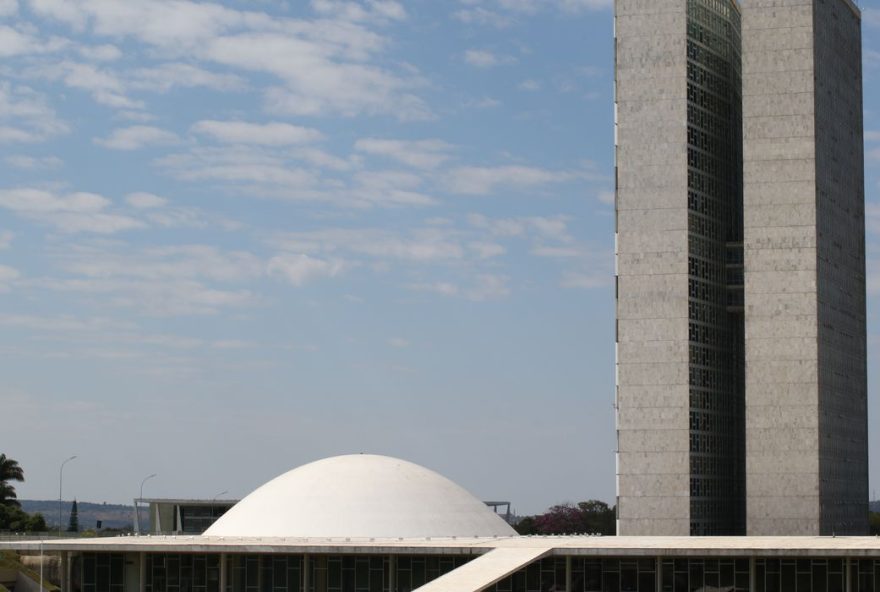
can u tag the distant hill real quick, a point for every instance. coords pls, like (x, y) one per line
(110, 515)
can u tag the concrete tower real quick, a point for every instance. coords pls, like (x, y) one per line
(740, 286)
(679, 265)
(806, 385)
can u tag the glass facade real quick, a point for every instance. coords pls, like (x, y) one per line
(194, 572)
(715, 285)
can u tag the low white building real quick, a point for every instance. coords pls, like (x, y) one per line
(365, 523)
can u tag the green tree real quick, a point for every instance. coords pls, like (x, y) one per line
(73, 523)
(874, 523)
(526, 525)
(9, 471)
(16, 520)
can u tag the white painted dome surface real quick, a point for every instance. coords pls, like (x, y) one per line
(360, 496)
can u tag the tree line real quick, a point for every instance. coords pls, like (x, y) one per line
(589, 517)
(11, 515)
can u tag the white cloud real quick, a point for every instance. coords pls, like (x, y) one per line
(100, 53)
(482, 16)
(164, 77)
(488, 287)
(487, 180)
(160, 281)
(481, 288)
(299, 268)
(480, 58)
(7, 276)
(606, 197)
(8, 7)
(104, 86)
(443, 288)
(486, 250)
(872, 136)
(25, 115)
(268, 134)
(529, 85)
(178, 262)
(373, 10)
(6, 239)
(237, 167)
(543, 227)
(72, 213)
(256, 171)
(326, 65)
(422, 154)
(586, 280)
(584, 5)
(137, 136)
(398, 342)
(16, 42)
(145, 201)
(22, 161)
(421, 245)
(483, 103)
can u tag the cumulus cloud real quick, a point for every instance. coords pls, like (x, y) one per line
(481, 58)
(606, 197)
(161, 281)
(7, 276)
(145, 201)
(267, 134)
(380, 11)
(501, 13)
(481, 288)
(100, 53)
(32, 163)
(299, 268)
(105, 87)
(421, 154)
(259, 171)
(8, 7)
(26, 116)
(586, 280)
(137, 136)
(421, 245)
(164, 77)
(482, 16)
(487, 180)
(71, 213)
(326, 65)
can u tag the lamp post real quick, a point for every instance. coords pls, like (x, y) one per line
(224, 492)
(140, 499)
(60, 490)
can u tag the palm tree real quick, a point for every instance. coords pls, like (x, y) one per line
(9, 471)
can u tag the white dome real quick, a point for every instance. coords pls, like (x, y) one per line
(360, 496)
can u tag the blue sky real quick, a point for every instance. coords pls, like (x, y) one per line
(236, 237)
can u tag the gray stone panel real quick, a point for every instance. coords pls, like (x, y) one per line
(804, 268)
(652, 244)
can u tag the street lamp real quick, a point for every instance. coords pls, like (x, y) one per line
(60, 490)
(213, 509)
(140, 499)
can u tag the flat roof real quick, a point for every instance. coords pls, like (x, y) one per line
(186, 502)
(596, 546)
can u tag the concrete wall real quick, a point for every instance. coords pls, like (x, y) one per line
(652, 268)
(804, 264)
(840, 219)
